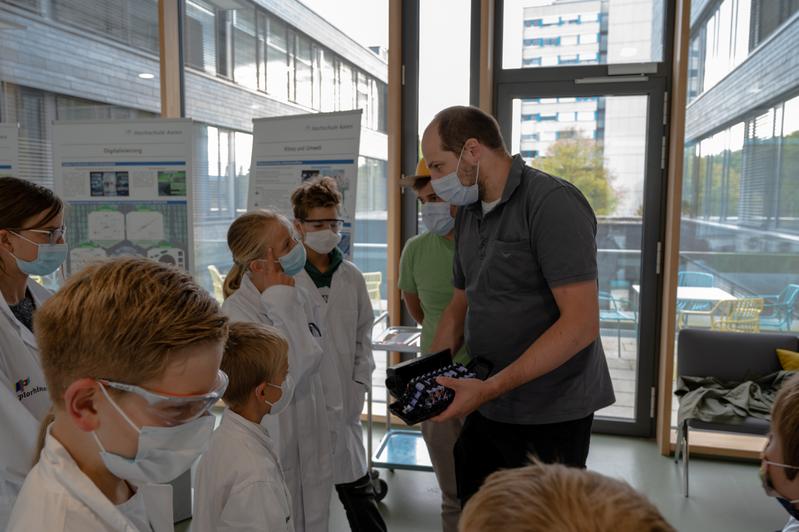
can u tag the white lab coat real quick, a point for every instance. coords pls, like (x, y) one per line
(348, 319)
(239, 486)
(58, 496)
(302, 433)
(24, 400)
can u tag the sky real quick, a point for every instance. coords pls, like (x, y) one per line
(444, 29)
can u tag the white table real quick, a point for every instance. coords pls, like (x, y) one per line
(698, 293)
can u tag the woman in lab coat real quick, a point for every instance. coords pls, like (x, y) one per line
(260, 289)
(31, 243)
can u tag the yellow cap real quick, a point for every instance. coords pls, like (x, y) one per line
(421, 171)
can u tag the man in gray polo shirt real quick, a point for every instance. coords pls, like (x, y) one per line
(525, 299)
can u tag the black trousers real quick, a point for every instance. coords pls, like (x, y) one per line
(486, 446)
(360, 504)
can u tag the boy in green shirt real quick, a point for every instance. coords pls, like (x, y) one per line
(426, 284)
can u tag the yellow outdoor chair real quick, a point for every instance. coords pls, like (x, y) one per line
(739, 315)
(373, 282)
(218, 281)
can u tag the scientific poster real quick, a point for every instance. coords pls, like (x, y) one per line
(288, 150)
(8, 149)
(128, 186)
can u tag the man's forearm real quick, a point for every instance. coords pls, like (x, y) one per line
(449, 334)
(563, 340)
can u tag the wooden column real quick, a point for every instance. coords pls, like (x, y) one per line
(171, 58)
(487, 56)
(394, 237)
(671, 249)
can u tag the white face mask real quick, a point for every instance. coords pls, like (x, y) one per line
(437, 218)
(287, 392)
(164, 452)
(322, 241)
(450, 189)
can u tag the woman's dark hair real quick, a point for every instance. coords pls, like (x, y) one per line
(21, 200)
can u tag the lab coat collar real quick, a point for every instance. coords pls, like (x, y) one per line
(39, 294)
(58, 465)
(238, 423)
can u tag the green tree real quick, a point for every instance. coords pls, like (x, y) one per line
(581, 162)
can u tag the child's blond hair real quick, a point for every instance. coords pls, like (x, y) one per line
(556, 498)
(785, 422)
(120, 320)
(248, 238)
(253, 354)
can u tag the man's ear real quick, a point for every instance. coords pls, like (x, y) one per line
(80, 403)
(472, 151)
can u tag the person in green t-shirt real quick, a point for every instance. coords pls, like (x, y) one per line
(426, 285)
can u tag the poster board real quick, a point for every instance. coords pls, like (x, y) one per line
(288, 150)
(9, 149)
(128, 186)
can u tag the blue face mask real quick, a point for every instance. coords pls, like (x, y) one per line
(437, 218)
(449, 188)
(293, 262)
(49, 258)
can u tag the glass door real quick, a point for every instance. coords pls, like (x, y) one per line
(581, 95)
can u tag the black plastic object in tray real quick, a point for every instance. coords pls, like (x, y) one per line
(413, 383)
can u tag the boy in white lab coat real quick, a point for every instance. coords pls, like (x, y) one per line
(260, 288)
(338, 289)
(131, 375)
(239, 484)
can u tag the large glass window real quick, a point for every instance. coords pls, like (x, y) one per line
(277, 59)
(789, 170)
(739, 244)
(346, 87)
(329, 82)
(134, 22)
(200, 36)
(303, 68)
(771, 14)
(245, 68)
(554, 33)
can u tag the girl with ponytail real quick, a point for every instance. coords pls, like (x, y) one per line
(260, 289)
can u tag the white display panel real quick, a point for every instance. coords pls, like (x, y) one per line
(128, 185)
(288, 150)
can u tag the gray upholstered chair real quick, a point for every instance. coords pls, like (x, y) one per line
(729, 356)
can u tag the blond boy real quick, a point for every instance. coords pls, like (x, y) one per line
(239, 484)
(556, 498)
(130, 350)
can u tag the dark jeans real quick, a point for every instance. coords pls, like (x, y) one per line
(359, 502)
(485, 446)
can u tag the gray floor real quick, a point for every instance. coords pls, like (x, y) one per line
(725, 496)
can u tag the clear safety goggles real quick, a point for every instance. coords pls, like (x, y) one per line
(334, 224)
(175, 409)
(53, 235)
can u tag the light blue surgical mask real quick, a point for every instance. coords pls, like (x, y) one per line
(437, 218)
(286, 394)
(48, 259)
(293, 262)
(449, 188)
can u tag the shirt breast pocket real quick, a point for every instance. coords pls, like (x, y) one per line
(513, 267)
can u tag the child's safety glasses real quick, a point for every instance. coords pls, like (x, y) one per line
(176, 409)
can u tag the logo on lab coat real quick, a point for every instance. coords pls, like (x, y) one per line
(315, 332)
(22, 393)
(21, 384)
